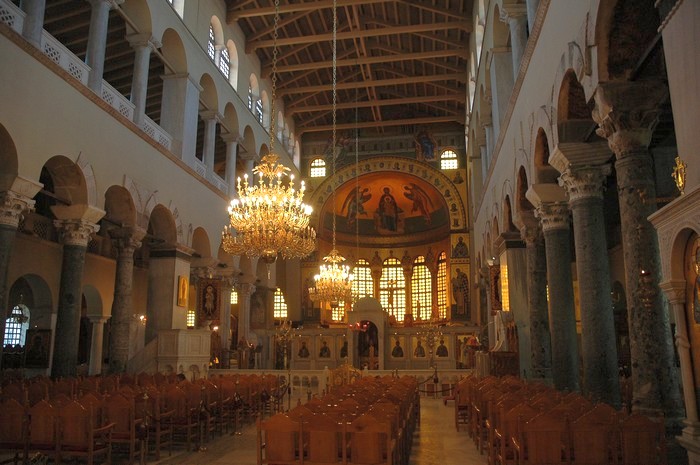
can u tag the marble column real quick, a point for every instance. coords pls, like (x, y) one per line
(501, 70)
(97, 41)
(516, 17)
(211, 119)
(676, 293)
(541, 353)
(553, 212)
(75, 223)
(178, 114)
(98, 329)
(245, 290)
(627, 113)
(583, 174)
(142, 45)
(125, 241)
(531, 12)
(232, 141)
(13, 203)
(33, 21)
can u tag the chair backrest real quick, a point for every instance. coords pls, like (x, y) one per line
(13, 427)
(76, 426)
(121, 412)
(369, 439)
(43, 420)
(643, 440)
(282, 437)
(14, 391)
(325, 440)
(592, 436)
(92, 402)
(545, 438)
(38, 390)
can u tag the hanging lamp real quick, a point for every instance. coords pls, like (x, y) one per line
(333, 283)
(269, 217)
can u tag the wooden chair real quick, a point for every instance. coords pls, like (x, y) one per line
(122, 413)
(543, 440)
(507, 431)
(370, 442)
(462, 403)
(279, 441)
(643, 441)
(593, 439)
(158, 420)
(43, 429)
(80, 437)
(184, 424)
(38, 390)
(14, 391)
(326, 440)
(14, 432)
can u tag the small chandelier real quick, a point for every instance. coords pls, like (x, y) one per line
(270, 218)
(333, 283)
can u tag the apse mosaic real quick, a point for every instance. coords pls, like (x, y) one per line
(378, 204)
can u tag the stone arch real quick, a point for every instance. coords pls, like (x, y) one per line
(179, 7)
(162, 227)
(249, 143)
(65, 180)
(544, 172)
(508, 224)
(523, 207)
(234, 64)
(624, 28)
(201, 243)
(8, 159)
(139, 15)
(253, 90)
(208, 96)
(280, 125)
(119, 206)
(500, 31)
(173, 51)
(37, 295)
(93, 300)
(215, 24)
(266, 109)
(230, 121)
(574, 120)
(672, 245)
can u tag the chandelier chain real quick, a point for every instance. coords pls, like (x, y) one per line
(335, 100)
(275, 35)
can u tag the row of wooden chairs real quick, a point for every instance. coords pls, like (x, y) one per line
(519, 423)
(369, 422)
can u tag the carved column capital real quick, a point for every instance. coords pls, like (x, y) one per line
(553, 215)
(675, 290)
(76, 231)
(627, 113)
(246, 289)
(584, 183)
(12, 206)
(530, 231)
(127, 239)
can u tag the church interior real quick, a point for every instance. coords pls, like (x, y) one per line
(485, 212)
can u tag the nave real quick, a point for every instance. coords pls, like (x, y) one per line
(435, 442)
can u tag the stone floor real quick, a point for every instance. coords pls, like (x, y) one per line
(436, 442)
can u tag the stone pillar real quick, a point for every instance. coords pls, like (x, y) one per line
(178, 113)
(142, 45)
(225, 319)
(33, 21)
(211, 119)
(583, 175)
(97, 41)
(553, 211)
(484, 163)
(501, 69)
(531, 12)
(125, 241)
(627, 113)
(232, 141)
(245, 290)
(13, 203)
(76, 223)
(98, 327)
(516, 17)
(541, 352)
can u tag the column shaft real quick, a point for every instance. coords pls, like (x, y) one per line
(34, 21)
(230, 174)
(518, 40)
(98, 326)
(97, 43)
(541, 354)
(139, 82)
(597, 321)
(210, 122)
(245, 291)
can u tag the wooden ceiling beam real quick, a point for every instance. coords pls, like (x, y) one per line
(434, 9)
(376, 83)
(374, 32)
(373, 124)
(379, 102)
(234, 14)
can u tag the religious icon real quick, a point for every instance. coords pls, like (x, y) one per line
(182, 288)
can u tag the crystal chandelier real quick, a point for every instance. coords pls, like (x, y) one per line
(269, 218)
(333, 283)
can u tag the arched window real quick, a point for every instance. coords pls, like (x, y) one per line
(448, 160)
(225, 63)
(250, 97)
(442, 285)
(318, 168)
(259, 110)
(362, 284)
(16, 326)
(421, 289)
(234, 297)
(392, 288)
(279, 305)
(211, 44)
(338, 312)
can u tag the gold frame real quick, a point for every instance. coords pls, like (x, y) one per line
(183, 290)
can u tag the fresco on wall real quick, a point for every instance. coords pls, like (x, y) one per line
(378, 204)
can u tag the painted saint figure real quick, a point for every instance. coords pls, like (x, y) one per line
(460, 292)
(354, 204)
(388, 211)
(421, 200)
